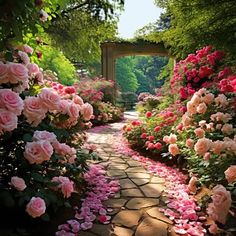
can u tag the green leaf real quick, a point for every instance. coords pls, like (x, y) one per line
(27, 137)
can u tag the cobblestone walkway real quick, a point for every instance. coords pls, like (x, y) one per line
(136, 206)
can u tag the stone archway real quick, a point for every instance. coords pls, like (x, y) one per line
(112, 50)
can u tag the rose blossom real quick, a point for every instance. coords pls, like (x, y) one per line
(36, 207)
(65, 184)
(196, 99)
(24, 57)
(202, 108)
(217, 146)
(208, 98)
(87, 111)
(78, 100)
(4, 73)
(43, 15)
(11, 101)
(172, 138)
(17, 72)
(199, 132)
(38, 152)
(213, 229)
(33, 110)
(50, 99)
(191, 108)
(18, 183)
(202, 146)
(8, 120)
(33, 68)
(202, 123)
(44, 135)
(73, 110)
(27, 49)
(166, 139)
(207, 156)
(230, 174)
(219, 207)
(186, 120)
(221, 100)
(227, 128)
(189, 143)
(173, 149)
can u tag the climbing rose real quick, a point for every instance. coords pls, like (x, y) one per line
(38, 152)
(36, 207)
(230, 174)
(219, 207)
(18, 183)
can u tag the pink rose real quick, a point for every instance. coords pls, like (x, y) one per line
(8, 120)
(38, 152)
(24, 57)
(191, 108)
(230, 174)
(4, 73)
(192, 184)
(189, 143)
(17, 73)
(33, 68)
(172, 138)
(227, 128)
(50, 99)
(196, 99)
(44, 135)
(207, 156)
(219, 207)
(34, 111)
(213, 229)
(39, 77)
(202, 108)
(43, 15)
(78, 100)
(202, 123)
(221, 100)
(18, 183)
(217, 146)
(11, 101)
(166, 139)
(73, 110)
(202, 146)
(199, 132)
(65, 184)
(22, 86)
(87, 111)
(208, 98)
(36, 207)
(27, 49)
(186, 120)
(173, 149)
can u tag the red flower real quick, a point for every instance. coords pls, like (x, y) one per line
(158, 145)
(157, 128)
(205, 71)
(151, 138)
(143, 135)
(148, 114)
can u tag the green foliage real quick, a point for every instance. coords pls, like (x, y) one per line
(54, 60)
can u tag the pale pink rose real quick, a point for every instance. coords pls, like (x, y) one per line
(199, 132)
(33, 69)
(78, 100)
(38, 152)
(39, 77)
(202, 146)
(18, 183)
(28, 49)
(207, 156)
(24, 57)
(50, 99)
(218, 147)
(230, 174)
(36, 207)
(218, 126)
(210, 126)
(63, 106)
(202, 123)
(73, 110)
(219, 116)
(17, 73)
(189, 143)
(173, 149)
(44, 135)
(4, 73)
(87, 111)
(219, 207)
(191, 108)
(43, 15)
(202, 108)
(166, 139)
(72, 159)
(186, 120)
(34, 111)
(201, 92)
(227, 128)
(213, 229)
(11, 101)
(8, 120)
(22, 86)
(172, 138)
(208, 98)
(192, 185)
(65, 184)
(221, 100)
(196, 99)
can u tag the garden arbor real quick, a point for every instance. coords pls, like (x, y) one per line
(113, 50)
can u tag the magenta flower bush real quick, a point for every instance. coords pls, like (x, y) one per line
(41, 165)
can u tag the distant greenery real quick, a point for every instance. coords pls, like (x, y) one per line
(139, 73)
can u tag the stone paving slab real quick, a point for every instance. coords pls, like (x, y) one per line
(136, 205)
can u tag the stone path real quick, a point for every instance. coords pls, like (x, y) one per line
(136, 206)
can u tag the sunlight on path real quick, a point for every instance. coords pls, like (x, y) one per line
(136, 206)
